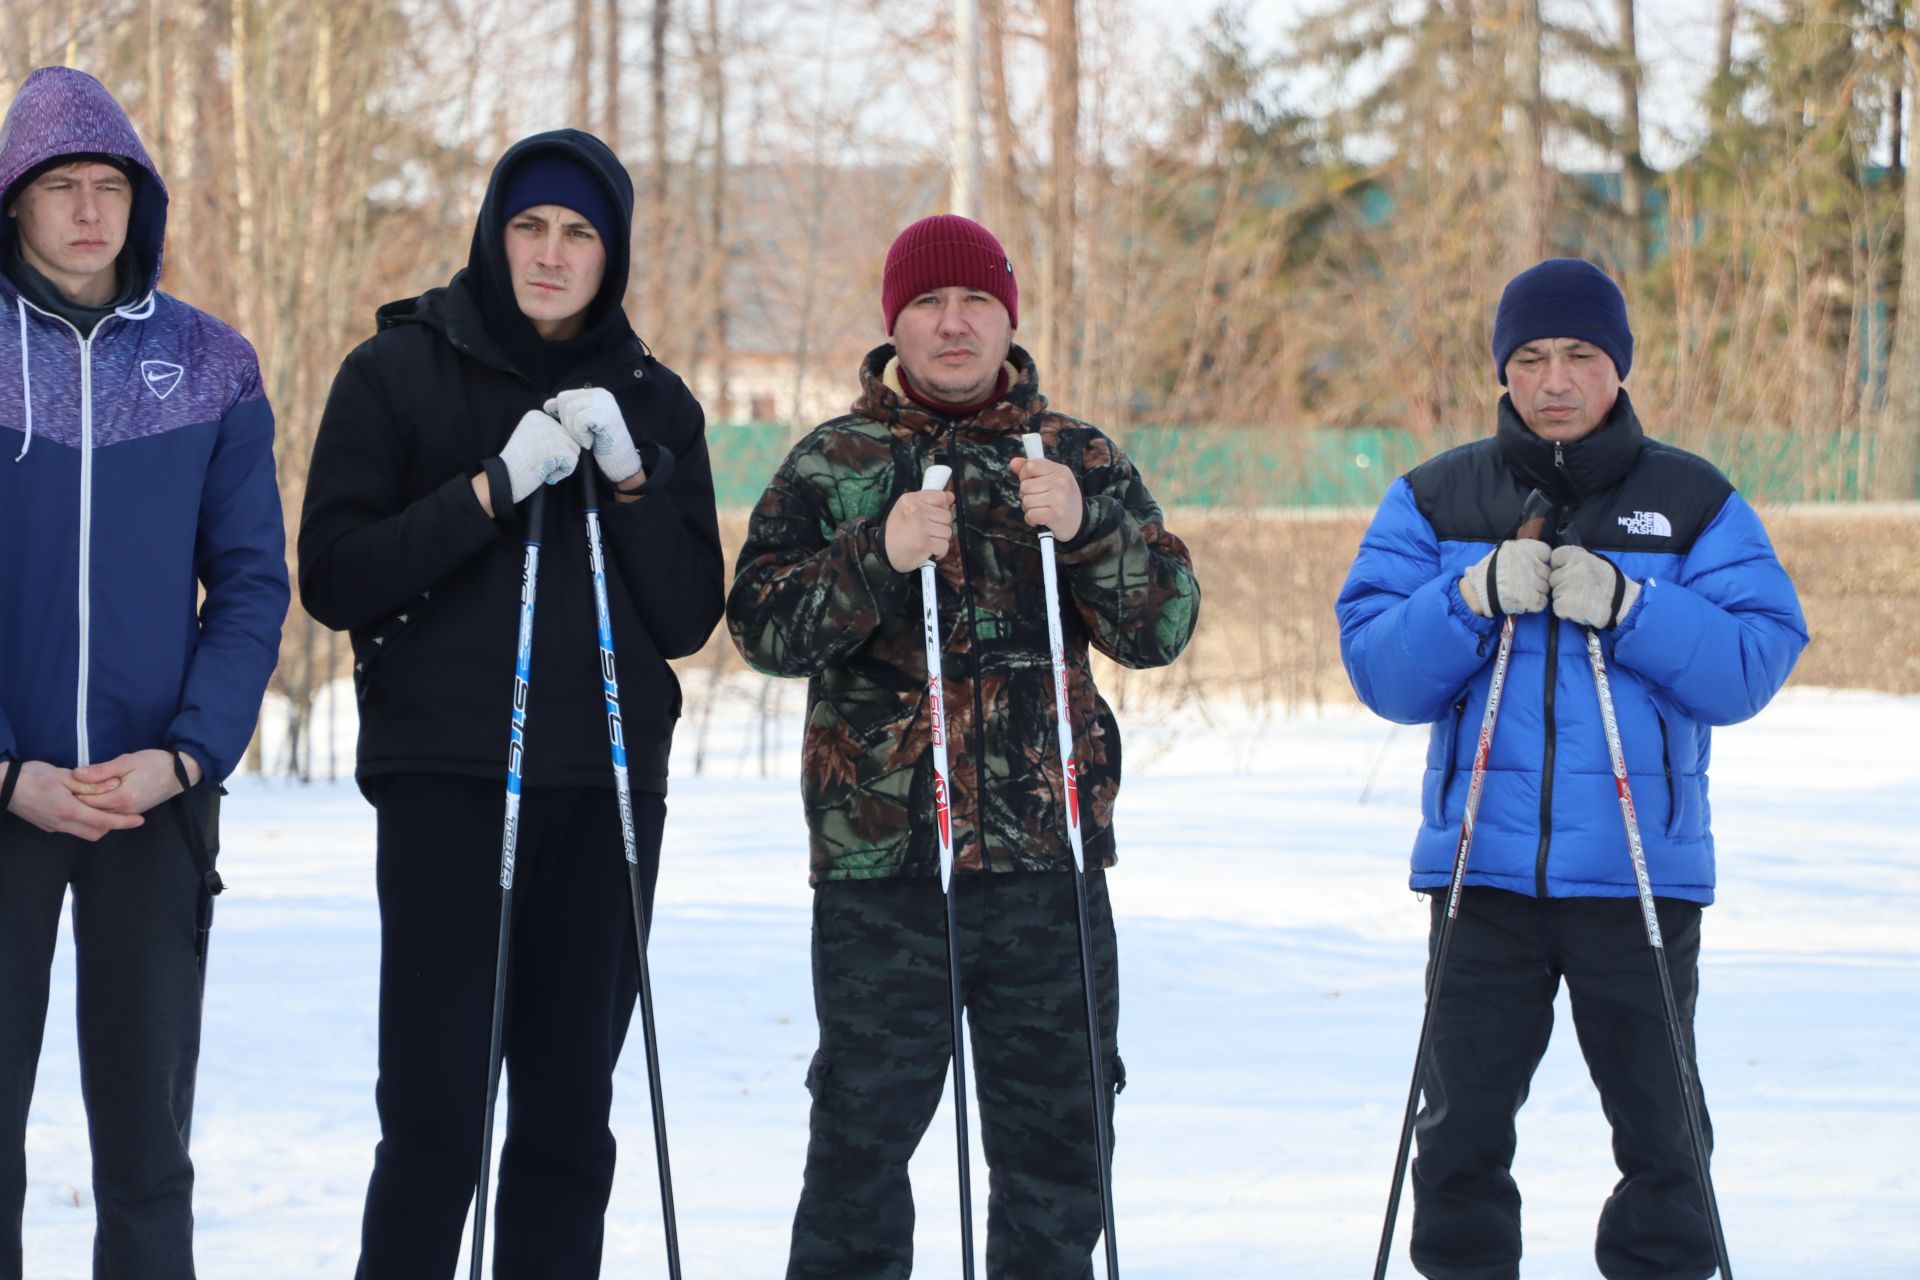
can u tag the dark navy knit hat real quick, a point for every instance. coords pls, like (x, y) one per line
(552, 177)
(1562, 298)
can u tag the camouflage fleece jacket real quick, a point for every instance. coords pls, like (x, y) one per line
(813, 595)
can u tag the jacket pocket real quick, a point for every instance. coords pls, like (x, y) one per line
(372, 647)
(1683, 788)
(1442, 770)
(1666, 766)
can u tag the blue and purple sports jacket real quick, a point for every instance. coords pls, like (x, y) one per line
(136, 469)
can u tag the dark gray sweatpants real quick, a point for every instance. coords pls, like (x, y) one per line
(135, 899)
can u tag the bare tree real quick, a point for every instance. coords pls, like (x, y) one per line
(582, 117)
(1527, 172)
(964, 197)
(1063, 97)
(1900, 422)
(654, 305)
(610, 72)
(711, 287)
(1633, 188)
(1003, 186)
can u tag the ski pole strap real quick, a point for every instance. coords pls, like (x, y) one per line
(1493, 582)
(12, 781)
(202, 854)
(1619, 594)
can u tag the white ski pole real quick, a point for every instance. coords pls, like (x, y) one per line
(1063, 718)
(936, 478)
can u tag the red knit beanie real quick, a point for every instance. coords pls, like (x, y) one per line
(946, 251)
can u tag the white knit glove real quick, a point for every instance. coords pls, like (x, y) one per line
(1519, 569)
(540, 451)
(593, 417)
(1589, 589)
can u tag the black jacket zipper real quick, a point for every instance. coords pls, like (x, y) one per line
(1546, 701)
(1546, 764)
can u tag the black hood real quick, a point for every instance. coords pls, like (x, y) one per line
(480, 296)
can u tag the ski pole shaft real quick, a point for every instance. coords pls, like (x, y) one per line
(1696, 1130)
(623, 792)
(1063, 721)
(936, 478)
(1532, 525)
(1483, 751)
(509, 841)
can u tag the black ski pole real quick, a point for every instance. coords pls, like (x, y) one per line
(936, 478)
(1696, 1131)
(516, 751)
(610, 685)
(1533, 521)
(1063, 719)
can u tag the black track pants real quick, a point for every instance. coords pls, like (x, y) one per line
(571, 986)
(1490, 1030)
(135, 898)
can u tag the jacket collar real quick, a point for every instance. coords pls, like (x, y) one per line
(1568, 472)
(452, 312)
(881, 401)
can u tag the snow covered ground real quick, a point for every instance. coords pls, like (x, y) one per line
(1271, 964)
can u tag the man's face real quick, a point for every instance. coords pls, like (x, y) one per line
(1562, 388)
(72, 221)
(952, 342)
(557, 261)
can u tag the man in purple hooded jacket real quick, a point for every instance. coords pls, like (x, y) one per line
(136, 472)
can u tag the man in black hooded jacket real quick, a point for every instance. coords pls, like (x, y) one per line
(465, 400)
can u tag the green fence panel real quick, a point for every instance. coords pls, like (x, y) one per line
(1351, 467)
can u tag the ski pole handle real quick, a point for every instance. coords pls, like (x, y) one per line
(936, 478)
(1037, 451)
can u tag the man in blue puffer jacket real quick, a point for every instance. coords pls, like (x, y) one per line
(1700, 625)
(136, 471)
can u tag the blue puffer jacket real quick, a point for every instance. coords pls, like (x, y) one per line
(1715, 631)
(136, 468)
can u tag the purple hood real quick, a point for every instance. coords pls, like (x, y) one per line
(63, 112)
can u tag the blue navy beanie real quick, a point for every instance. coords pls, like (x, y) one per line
(550, 177)
(1562, 298)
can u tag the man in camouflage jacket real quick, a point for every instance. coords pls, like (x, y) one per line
(826, 587)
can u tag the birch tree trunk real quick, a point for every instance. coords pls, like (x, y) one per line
(964, 184)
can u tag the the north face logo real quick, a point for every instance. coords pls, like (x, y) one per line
(1649, 524)
(161, 376)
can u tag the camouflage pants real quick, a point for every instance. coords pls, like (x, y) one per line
(880, 991)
